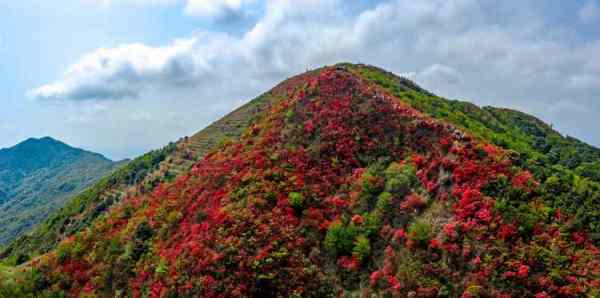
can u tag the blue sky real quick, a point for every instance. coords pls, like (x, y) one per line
(122, 77)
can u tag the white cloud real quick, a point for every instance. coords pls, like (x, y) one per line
(454, 48)
(401, 35)
(214, 8)
(118, 73)
(270, 50)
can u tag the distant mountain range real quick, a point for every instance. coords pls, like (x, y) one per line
(343, 181)
(37, 176)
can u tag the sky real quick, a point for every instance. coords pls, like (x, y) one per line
(121, 77)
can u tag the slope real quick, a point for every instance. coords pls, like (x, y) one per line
(138, 177)
(568, 169)
(36, 178)
(338, 188)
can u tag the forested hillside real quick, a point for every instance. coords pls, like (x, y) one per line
(37, 177)
(140, 176)
(343, 181)
(568, 169)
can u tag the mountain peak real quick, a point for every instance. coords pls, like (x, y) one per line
(43, 141)
(44, 146)
(34, 153)
(38, 175)
(344, 180)
(379, 74)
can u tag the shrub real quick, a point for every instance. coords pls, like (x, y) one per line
(420, 232)
(63, 252)
(289, 116)
(362, 247)
(413, 202)
(372, 223)
(143, 232)
(589, 170)
(528, 217)
(371, 183)
(340, 238)
(22, 258)
(498, 187)
(400, 178)
(383, 206)
(296, 200)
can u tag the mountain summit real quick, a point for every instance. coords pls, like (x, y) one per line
(36, 178)
(349, 181)
(34, 154)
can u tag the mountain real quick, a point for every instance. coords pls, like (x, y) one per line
(138, 177)
(37, 176)
(346, 180)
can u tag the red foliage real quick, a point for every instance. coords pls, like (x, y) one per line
(579, 237)
(450, 230)
(394, 284)
(523, 271)
(507, 230)
(542, 295)
(227, 228)
(427, 292)
(434, 244)
(468, 204)
(374, 278)
(412, 202)
(399, 234)
(349, 263)
(484, 215)
(357, 219)
(77, 269)
(524, 180)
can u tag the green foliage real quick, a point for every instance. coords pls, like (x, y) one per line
(589, 170)
(38, 176)
(340, 238)
(369, 184)
(503, 191)
(289, 115)
(30, 284)
(63, 252)
(574, 195)
(525, 214)
(124, 244)
(296, 200)
(535, 144)
(420, 232)
(143, 173)
(400, 178)
(162, 267)
(383, 206)
(190, 235)
(84, 208)
(372, 223)
(380, 185)
(362, 247)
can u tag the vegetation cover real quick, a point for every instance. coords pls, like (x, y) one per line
(350, 182)
(138, 177)
(38, 176)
